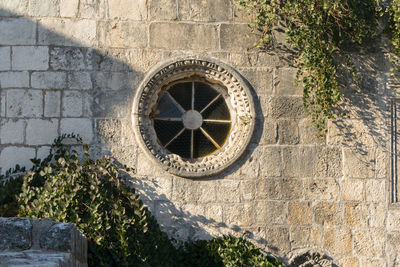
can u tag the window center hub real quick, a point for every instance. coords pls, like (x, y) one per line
(192, 120)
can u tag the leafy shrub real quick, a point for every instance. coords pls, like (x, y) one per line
(120, 230)
(10, 188)
(226, 251)
(91, 194)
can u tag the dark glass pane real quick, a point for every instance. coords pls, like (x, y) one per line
(182, 93)
(166, 130)
(166, 108)
(218, 131)
(218, 110)
(203, 95)
(181, 145)
(202, 146)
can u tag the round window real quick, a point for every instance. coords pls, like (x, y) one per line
(191, 119)
(194, 117)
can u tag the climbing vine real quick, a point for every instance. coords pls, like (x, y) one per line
(321, 33)
(394, 32)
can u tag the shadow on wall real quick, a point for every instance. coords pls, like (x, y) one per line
(53, 84)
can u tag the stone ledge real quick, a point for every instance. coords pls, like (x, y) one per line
(41, 242)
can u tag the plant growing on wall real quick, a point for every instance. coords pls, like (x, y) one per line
(320, 31)
(121, 232)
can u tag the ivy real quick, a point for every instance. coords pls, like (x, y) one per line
(70, 187)
(321, 32)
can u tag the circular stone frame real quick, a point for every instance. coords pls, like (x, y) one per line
(239, 99)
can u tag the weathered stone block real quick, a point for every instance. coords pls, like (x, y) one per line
(329, 162)
(244, 59)
(269, 134)
(285, 82)
(81, 126)
(301, 236)
(163, 10)
(52, 103)
(13, 8)
(49, 80)
(328, 213)
(123, 34)
(213, 212)
(378, 215)
(79, 80)
(5, 58)
(30, 58)
(154, 188)
(114, 80)
(109, 131)
(44, 8)
(272, 161)
(128, 9)
(247, 190)
(42, 152)
(279, 189)
(13, 79)
(278, 240)
(299, 161)
(228, 192)
(288, 132)
(12, 131)
(349, 262)
(206, 10)
(24, 103)
(393, 221)
(41, 132)
(54, 31)
(368, 242)
(17, 31)
(358, 165)
(233, 37)
(183, 36)
(15, 234)
(353, 189)
(392, 250)
(308, 133)
(375, 191)
(11, 155)
(72, 104)
(242, 15)
(69, 8)
(286, 107)
(271, 212)
(337, 241)
(69, 58)
(259, 79)
(238, 214)
(357, 214)
(321, 189)
(300, 213)
(372, 262)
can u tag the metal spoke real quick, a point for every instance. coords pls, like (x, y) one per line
(209, 104)
(176, 136)
(217, 121)
(176, 103)
(191, 144)
(167, 119)
(192, 95)
(210, 138)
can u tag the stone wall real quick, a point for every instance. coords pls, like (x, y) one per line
(74, 66)
(41, 242)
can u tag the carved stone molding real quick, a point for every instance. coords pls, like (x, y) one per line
(237, 95)
(310, 258)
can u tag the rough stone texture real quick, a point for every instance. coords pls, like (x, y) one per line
(12, 131)
(41, 242)
(5, 56)
(15, 234)
(183, 36)
(41, 132)
(10, 155)
(24, 103)
(30, 58)
(74, 66)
